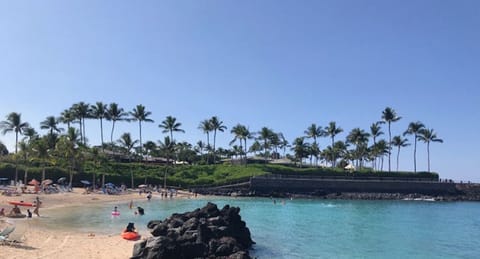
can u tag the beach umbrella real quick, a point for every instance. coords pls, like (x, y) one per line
(61, 179)
(33, 182)
(47, 182)
(142, 186)
(85, 182)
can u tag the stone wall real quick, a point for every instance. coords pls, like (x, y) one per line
(312, 185)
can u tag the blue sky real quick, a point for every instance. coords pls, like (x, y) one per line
(281, 64)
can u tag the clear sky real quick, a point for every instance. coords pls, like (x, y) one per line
(281, 64)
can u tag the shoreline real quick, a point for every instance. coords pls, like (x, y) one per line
(42, 242)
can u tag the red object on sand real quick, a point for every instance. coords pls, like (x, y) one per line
(130, 235)
(21, 203)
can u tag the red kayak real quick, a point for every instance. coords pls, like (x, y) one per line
(130, 235)
(21, 203)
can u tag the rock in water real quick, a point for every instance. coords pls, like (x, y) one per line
(203, 233)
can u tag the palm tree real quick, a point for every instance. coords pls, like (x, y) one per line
(170, 124)
(314, 131)
(68, 148)
(3, 149)
(359, 138)
(380, 149)
(82, 111)
(399, 142)
(217, 125)
(14, 124)
(51, 124)
(30, 133)
(99, 111)
(427, 136)
(300, 148)
(389, 115)
(283, 143)
(139, 114)
(127, 143)
(167, 148)
(114, 114)
(414, 129)
(265, 135)
(25, 150)
(42, 152)
(206, 127)
(240, 133)
(332, 130)
(149, 147)
(67, 117)
(375, 132)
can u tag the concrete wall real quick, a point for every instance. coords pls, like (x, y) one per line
(302, 185)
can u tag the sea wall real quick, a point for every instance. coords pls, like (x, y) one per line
(267, 185)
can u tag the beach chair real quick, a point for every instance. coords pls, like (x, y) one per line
(5, 233)
(15, 237)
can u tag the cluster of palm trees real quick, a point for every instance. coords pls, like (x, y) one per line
(70, 146)
(359, 140)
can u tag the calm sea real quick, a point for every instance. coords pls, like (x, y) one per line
(304, 228)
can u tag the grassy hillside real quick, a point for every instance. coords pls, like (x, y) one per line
(187, 175)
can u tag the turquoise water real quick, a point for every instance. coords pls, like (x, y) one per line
(305, 228)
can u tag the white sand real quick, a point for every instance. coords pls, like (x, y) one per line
(44, 243)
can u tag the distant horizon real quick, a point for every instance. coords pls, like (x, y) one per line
(280, 64)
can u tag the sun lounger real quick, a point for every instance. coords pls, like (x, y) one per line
(16, 236)
(5, 233)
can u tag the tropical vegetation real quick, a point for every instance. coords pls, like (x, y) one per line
(68, 151)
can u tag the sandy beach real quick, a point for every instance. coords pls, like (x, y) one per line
(45, 243)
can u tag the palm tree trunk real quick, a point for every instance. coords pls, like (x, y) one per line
(84, 137)
(25, 176)
(415, 155)
(428, 155)
(101, 131)
(381, 168)
(140, 129)
(103, 179)
(43, 172)
(333, 152)
(398, 156)
(111, 133)
(131, 172)
(93, 180)
(389, 146)
(214, 140)
(245, 140)
(81, 132)
(265, 151)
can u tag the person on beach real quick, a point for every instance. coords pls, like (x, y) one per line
(37, 202)
(29, 213)
(36, 212)
(15, 211)
(131, 204)
(140, 211)
(2, 212)
(130, 227)
(149, 196)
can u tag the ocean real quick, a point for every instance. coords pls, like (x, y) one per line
(313, 228)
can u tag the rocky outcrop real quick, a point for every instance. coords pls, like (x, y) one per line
(203, 233)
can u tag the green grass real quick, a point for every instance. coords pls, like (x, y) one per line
(191, 175)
